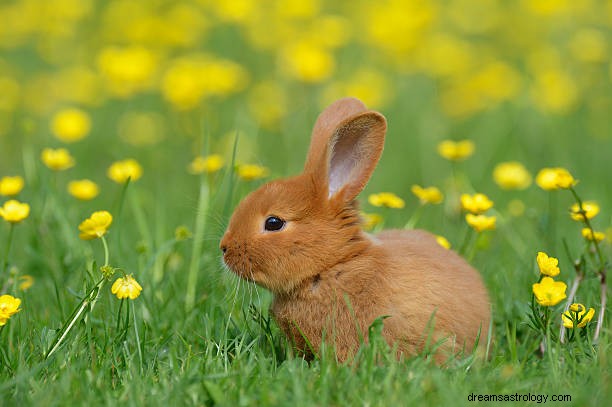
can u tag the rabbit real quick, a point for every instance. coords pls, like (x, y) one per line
(301, 238)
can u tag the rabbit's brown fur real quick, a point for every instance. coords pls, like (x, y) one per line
(330, 279)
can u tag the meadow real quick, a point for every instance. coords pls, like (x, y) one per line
(129, 130)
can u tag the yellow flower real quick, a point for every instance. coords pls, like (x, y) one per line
(250, 172)
(480, 223)
(11, 186)
(208, 164)
(9, 306)
(511, 175)
(442, 241)
(57, 159)
(121, 171)
(555, 178)
(477, 203)
(386, 199)
(126, 287)
(84, 189)
(14, 211)
(548, 266)
(429, 195)
(26, 281)
(70, 125)
(371, 220)
(590, 208)
(308, 62)
(456, 150)
(549, 292)
(96, 225)
(593, 235)
(578, 314)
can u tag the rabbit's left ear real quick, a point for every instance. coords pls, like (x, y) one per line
(345, 164)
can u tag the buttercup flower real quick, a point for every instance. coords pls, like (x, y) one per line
(555, 178)
(9, 306)
(70, 125)
(577, 313)
(25, 282)
(429, 195)
(57, 159)
(84, 189)
(208, 164)
(548, 266)
(126, 287)
(511, 175)
(593, 236)
(480, 223)
(477, 203)
(456, 150)
(386, 199)
(549, 292)
(591, 209)
(251, 172)
(11, 186)
(96, 225)
(371, 220)
(14, 211)
(121, 171)
(442, 241)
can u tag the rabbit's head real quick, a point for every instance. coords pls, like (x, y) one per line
(291, 230)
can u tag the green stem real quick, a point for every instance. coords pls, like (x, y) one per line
(416, 215)
(8, 248)
(106, 254)
(198, 240)
(119, 314)
(587, 221)
(75, 317)
(137, 336)
(466, 240)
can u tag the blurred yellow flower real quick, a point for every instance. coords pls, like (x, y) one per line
(387, 200)
(456, 150)
(209, 164)
(268, 103)
(121, 171)
(25, 282)
(57, 159)
(477, 203)
(370, 220)
(589, 45)
(307, 62)
(96, 225)
(127, 69)
(69, 125)
(141, 128)
(548, 266)
(480, 223)
(84, 189)
(14, 211)
(593, 235)
(126, 287)
(590, 210)
(11, 186)
(368, 85)
(428, 195)
(516, 208)
(251, 172)
(549, 292)
(9, 306)
(511, 175)
(554, 91)
(554, 178)
(577, 314)
(442, 241)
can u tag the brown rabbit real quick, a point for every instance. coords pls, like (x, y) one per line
(301, 238)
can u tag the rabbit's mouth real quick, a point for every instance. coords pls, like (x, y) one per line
(239, 264)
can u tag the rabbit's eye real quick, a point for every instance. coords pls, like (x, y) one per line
(274, 223)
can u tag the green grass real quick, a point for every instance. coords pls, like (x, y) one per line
(198, 335)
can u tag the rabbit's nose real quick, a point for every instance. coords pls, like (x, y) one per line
(223, 249)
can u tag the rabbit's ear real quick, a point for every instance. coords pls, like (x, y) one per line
(347, 142)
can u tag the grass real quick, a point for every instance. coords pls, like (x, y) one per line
(197, 335)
